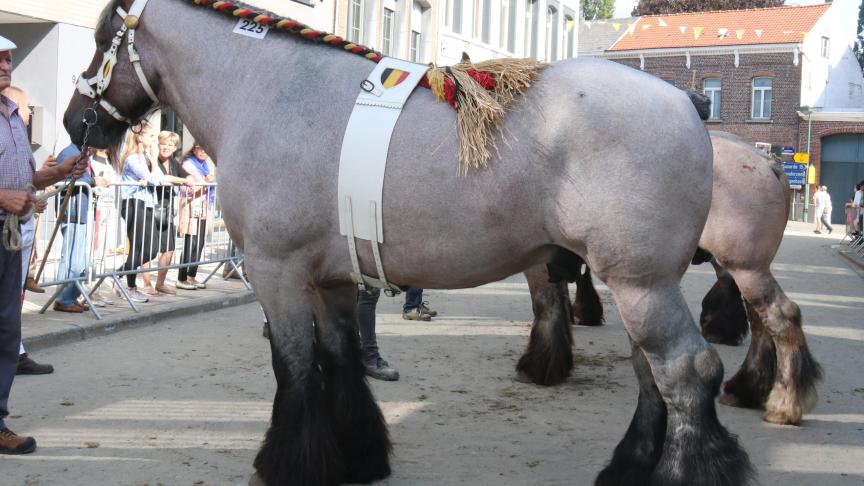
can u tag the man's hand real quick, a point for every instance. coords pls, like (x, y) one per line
(40, 207)
(66, 167)
(51, 161)
(15, 202)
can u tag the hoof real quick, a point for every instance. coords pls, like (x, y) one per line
(256, 480)
(731, 400)
(782, 418)
(523, 377)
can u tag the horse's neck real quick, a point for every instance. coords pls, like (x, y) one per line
(218, 86)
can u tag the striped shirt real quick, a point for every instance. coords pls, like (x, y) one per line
(17, 164)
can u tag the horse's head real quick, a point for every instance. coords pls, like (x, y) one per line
(113, 93)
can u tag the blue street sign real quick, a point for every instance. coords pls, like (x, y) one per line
(795, 173)
(788, 151)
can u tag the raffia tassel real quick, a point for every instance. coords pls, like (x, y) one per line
(435, 76)
(479, 116)
(513, 76)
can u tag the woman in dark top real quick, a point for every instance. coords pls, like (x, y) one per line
(173, 173)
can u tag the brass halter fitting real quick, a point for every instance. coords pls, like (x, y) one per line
(131, 21)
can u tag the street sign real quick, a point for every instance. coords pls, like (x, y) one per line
(811, 175)
(788, 151)
(795, 173)
(802, 158)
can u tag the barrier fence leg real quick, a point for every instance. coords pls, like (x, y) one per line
(87, 299)
(124, 294)
(51, 299)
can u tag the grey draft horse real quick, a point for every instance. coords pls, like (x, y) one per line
(749, 208)
(591, 140)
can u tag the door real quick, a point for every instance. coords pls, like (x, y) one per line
(842, 168)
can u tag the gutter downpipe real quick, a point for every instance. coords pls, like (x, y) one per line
(807, 170)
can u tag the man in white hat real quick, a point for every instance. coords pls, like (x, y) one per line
(17, 173)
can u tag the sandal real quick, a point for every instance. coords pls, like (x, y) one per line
(149, 290)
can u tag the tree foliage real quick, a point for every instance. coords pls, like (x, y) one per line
(597, 9)
(859, 40)
(655, 7)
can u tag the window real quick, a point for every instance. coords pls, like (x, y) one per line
(486, 21)
(414, 55)
(551, 33)
(355, 21)
(508, 25)
(761, 98)
(569, 34)
(457, 16)
(826, 47)
(387, 26)
(711, 89)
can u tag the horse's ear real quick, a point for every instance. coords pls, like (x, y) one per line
(465, 57)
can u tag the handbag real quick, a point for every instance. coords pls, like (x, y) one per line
(161, 216)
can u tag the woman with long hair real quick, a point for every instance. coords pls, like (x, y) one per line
(138, 202)
(194, 212)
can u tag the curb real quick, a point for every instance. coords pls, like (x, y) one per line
(135, 320)
(852, 258)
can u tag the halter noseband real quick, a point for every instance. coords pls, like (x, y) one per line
(95, 86)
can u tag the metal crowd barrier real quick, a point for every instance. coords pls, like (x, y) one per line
(856, 243)
(99, 237)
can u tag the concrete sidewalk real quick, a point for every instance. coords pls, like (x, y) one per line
(54, 328)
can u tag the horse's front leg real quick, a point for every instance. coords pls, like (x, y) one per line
(323, 412)
(779, 372)
(687, 371)
(548, 359)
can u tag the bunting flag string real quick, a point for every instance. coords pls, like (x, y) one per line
(631, 28)
(645, 26)
(739, 34)
(682, 28)
(722, 33)
(758, 32)
(616, 26)
(661, 23)
(697, 31)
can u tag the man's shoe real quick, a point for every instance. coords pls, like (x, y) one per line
(415, 315)
(12, 443)
(381, 370)
(26, 366)
(817, 232)
(73, 308)
(32, 286)
(424, 309)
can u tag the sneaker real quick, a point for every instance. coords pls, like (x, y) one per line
(415, 315)
(136, 295)
(424, 309)
(12, 443)
(185, 286)
(380, 369)
(26, 366)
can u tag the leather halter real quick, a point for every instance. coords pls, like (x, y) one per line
(95, 86)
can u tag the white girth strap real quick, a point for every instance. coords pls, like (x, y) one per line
(364, 158)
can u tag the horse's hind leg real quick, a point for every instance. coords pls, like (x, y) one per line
(587, 308)
(723, 318)
(548, 359)
(697, 449)
(639, 451)
(321, 396)
(790, 391)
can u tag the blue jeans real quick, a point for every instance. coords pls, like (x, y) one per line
(73, 259)
(413, 299)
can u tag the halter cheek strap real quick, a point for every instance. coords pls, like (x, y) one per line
(95, 86)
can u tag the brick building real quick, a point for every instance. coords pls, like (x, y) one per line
(771, 74)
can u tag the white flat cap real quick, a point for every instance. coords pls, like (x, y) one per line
(6, 44)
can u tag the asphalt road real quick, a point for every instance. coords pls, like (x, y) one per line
(186, 402)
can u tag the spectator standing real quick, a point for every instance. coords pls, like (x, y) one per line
(105, 219)
(195, 207)
(174, 173)
(138, 201)
(414, 309)
(858, 204)
(375, 366)
(17, 174)
(817, 214)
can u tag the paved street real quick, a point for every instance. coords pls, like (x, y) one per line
(186, 402)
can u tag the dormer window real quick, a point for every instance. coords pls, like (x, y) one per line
(826, 47)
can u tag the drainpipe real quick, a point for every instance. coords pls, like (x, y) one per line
(807, 170)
